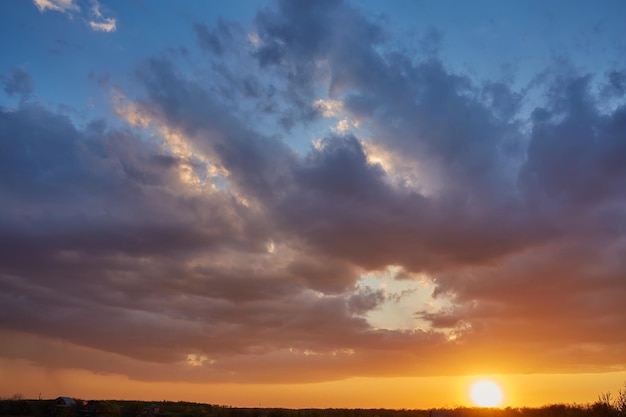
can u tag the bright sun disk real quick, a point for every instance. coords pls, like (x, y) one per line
(486, 393)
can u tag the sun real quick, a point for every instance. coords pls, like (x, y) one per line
(486, 393)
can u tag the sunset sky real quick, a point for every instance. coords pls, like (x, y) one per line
(313, 203)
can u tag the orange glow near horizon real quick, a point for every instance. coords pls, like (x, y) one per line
(406, 392)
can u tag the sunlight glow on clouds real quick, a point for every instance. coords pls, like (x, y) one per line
(195, 169)
(404, 299)
(198, 360)
(329, 108)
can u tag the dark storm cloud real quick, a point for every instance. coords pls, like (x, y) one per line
(68, 182)
(502, 193)
(97, 213)
(410, 104)
(257, 163)
(520, 223)
(123, 253)
(299, 35)
(567, 291)
(333, 198)
(576, 155)
(324, 274)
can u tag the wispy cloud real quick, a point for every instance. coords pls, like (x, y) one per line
(64, 6)
(107, 25)
(99, 22)
(93, 16)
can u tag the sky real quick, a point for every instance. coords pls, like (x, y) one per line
(312, 204)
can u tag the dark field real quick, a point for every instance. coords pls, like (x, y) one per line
(605, 406)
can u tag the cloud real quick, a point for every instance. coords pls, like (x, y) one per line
(107, 25)
(199, 214)
(95, 19)
(63, 6)
(20, 83)
(101, 23)
(212, 40)
(365, 300)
